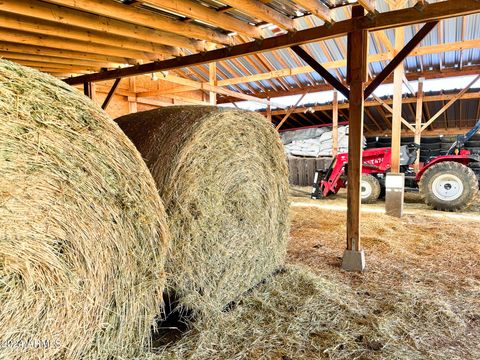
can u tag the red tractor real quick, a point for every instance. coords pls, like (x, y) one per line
(449, 182)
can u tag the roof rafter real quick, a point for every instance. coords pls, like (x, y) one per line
(211, 16)
(72, 17)
(260, 10)
(137, 16)
(436, 11)
(38, 26)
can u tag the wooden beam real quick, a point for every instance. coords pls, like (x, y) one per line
(212, 73)
(369, 103)
(289, 112)
(433, 74)
(435, 132)
(207, 87)
(399, 57)
(132, 101)
(38, 26)
(160, 92)
(372, 118)
(357, 73)
(418, 122)
(72, 45)
(419, 51)
(66, 67)
(141, 17)
(389, 108)
(335, 124)
(67, 54)
(332, 80)
(54, 71)
(175, 100)
(398, 75)
(269, 110)
(14, 56)
(110, 94)
(385, 40)
(263, 12)
(450, 103)
(384, 20)
(420, 5)
(407, 84)
(197, 11)
(368, 5)
(87, 90)
(63, 15)
(317, 8)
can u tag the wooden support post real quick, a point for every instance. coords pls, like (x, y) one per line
(87, 89)
(269, 110)
(395, 181)
(335, 124)
(132, 101)
(418, 122)
(357, 45)
(398, 75)
(212, 77)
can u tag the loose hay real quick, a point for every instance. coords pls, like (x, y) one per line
(222, 175)
(82, 229)
(419, 297)
(298, 315)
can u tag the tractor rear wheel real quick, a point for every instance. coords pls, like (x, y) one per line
(369, 189)
(448, 186)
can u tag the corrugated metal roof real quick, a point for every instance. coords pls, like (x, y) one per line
(450, 30)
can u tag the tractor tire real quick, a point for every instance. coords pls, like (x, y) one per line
(407, 140)
(430, 146)
(448, 186)
(449, 139)
(430, 140)
(370, 189)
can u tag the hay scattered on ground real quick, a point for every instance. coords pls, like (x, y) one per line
(422, 280)
(222, 175)
(82, 229)
(418, 299)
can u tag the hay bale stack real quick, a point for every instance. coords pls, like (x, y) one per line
(82, 229)
(222, 175)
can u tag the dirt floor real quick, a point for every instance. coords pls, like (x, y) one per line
(419, 297)
(424, 267)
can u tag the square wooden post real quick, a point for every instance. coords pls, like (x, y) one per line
(395, 182)
(335, 124)
(212, 77)
(354, 258)
(418, 122)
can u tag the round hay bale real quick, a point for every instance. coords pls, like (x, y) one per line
(223, 177)
(82, 228)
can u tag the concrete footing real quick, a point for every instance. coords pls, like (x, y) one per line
(394, 194)
(353, 260)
